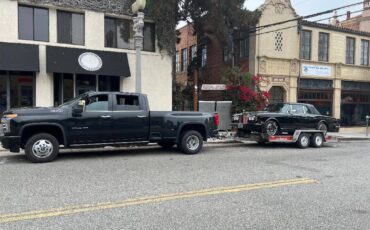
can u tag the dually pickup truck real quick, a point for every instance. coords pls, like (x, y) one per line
(98, 119)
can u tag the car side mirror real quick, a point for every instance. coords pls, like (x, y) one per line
(79, 108)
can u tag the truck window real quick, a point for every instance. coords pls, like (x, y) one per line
(127, 103)
(97, 103)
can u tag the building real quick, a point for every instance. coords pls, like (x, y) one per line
(360, 22)
(52, 50)
(322, 64)
(214, 58)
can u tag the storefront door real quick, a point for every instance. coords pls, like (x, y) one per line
(85, 83)
(3, 98)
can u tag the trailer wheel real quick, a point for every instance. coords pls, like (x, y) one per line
(317, 140)
(303, 141)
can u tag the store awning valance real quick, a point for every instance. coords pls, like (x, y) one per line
(19, 57)
(82, 61)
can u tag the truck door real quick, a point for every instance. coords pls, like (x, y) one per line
(95, 123)
(130, 118)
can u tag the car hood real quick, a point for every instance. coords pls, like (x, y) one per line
(34, 111)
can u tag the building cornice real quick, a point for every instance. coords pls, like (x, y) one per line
(335, 28)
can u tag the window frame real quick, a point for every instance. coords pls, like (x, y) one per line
(184, 53)
(84, 28)
(350, 62)
(320, 46)
(302, 55)
(362, 59)
(244, 53)
(33, 22)
(204, 56)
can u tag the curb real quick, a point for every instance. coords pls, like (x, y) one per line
(364, 139)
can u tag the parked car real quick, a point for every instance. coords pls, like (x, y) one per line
(98, 119)
(283, 119)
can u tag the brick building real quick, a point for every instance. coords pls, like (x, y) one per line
(360, 22)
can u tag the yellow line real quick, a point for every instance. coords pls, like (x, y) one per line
(5, 218)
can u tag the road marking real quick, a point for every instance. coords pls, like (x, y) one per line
(70, 210)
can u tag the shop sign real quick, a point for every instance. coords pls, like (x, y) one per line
(213, 87)
(278, 79)
(316, 70)
(90, 61)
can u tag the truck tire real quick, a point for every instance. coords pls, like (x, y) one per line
(42, 148)
(191, 142)
(317, 140)
(166, 144)
(303, 141)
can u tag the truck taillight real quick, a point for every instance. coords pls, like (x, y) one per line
(217, 119)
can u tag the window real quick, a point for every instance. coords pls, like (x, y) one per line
(226, 54)
(299, 109)
(33, 23)
(244, 48)
(306, 38)
(184, 55)
(119, 34)
(193, 52)
(365, 52)
(149, 37)
(323, 47)
(97, 103)
(204, 56)
(71, 27)
(178, 63)
(279, 41)
(350, 51)
(127, 103)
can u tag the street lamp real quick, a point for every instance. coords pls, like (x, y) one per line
(137, 9)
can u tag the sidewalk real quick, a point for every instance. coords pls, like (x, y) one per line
(352, 136)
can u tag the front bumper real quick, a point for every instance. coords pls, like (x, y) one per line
(12, 143)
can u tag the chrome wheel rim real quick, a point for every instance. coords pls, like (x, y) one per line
(271, 128)
(318, 140)
(304, 141)
(192, 142)
(42, 148)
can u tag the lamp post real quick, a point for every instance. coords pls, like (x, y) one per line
(137, 9)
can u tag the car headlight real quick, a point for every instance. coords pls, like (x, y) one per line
(252, 118)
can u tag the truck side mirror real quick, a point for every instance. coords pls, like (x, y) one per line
(79, 107)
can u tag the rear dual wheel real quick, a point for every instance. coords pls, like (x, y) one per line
(191, 142)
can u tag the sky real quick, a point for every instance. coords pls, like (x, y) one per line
(307, 7)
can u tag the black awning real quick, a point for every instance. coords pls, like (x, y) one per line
(19, 57)
(82, 61)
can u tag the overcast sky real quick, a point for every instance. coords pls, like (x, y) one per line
(306, 7)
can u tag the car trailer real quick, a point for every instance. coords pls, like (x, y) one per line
(304, 138)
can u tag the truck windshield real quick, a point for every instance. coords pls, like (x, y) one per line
(278, 108)
(73, 100)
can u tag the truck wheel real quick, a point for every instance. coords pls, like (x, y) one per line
(166, 144)
(42, 148)
(303, 141)
(317, 140)
(191, 142)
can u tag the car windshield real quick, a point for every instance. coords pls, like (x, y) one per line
(277, 108)
(73, 100)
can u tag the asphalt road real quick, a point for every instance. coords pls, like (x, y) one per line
(224, 187)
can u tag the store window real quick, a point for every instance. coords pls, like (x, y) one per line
(355, 104)
(318, 93)
(323, 47)
(109, 83)
(33, 23)
(306, 41)
(71, 28)
(350, 50)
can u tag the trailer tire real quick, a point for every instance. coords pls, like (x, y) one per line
(317, 140)
(303, 141)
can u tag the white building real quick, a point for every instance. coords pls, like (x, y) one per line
(53, 50)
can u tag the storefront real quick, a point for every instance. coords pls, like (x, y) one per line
(18, 66)
(318, 93)
(76, 71)
(355, 103)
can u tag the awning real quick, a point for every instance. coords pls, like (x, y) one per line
(19, 57)
(82, 61)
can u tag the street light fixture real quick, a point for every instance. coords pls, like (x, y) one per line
(137, 9)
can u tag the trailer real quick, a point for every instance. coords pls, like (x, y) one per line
(302, 138)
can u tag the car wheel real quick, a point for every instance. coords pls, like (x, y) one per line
(322, 127)
(303, 141)
(191, 142)
(317, 140)
(42, 148)
(271, 128)
(166, 144)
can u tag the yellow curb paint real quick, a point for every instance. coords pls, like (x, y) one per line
(70, 210)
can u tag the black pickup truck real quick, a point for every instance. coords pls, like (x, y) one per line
(98, 119)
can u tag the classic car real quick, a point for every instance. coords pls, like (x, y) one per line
(284, 119)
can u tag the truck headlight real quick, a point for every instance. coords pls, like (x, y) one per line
(5, 122)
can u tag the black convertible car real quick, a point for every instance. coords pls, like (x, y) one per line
(283, 119)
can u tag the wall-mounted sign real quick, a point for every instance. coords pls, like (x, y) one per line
(316, 70)
(278, 79)
(213, 87)
(90, 61)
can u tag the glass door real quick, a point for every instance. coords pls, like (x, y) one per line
(3, 98)
(85, 83)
